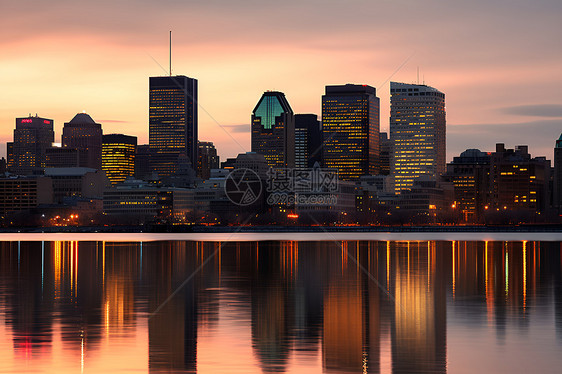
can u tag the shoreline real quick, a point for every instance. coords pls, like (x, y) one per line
(287, 233)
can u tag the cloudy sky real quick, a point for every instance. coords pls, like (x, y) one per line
(499, 62)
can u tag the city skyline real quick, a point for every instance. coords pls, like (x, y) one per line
(509, 77)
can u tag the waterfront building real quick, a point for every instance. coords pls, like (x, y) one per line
(350, 130)
(141, 201)
(118, 156)
(32, 137)
(470, 175)
(519, 182)
(83, 133)
(76, 182)
(173, 122)
(273, 130)
(24, 193)
(308, 141)
(417, 132)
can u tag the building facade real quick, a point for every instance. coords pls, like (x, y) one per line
(84, 134)
(32, 137)
(308, 141)
(118, 156)
(208, 159)
(470, 175)
(417, 132)
(273, 130)
(173, 122)
(350, 130)
(74, 183)
(385, 152)
(24, 193)
(519, 182)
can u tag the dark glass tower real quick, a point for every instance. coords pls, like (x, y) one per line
(172, 122)
(308, 140)
(417, 131)
(273, 130)
(84, 134)
(32, 136)
(350, 130)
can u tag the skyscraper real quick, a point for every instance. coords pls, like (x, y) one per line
(417, 131)
(308, 140)
(118, 156)
(84, 134)
(558, 175)
(273, 130)
(207, 159)
(350, 130)
(385, 152)
(32, 136)
(172, 122)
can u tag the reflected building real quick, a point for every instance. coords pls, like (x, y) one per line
(350, 130)
(417, 132)
(419, 321)
(351, 317)
(272, 316)
(173, 122)
(172, 326)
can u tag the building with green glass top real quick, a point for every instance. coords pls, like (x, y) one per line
(273, 130)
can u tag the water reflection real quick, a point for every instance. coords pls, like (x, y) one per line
(346, 307)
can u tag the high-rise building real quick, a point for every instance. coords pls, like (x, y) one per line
(350, 130)
(385, 152)
(83, 133)
(308, 141)
(470, 175)
(32, 136)
(558, 175)
(207, 159)
(417, 132)
(172, 122)
(273, 130)
(118, 156)
(142, 162)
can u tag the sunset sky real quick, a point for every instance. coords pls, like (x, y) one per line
(499, 62)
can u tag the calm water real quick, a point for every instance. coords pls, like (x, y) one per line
(281, 306)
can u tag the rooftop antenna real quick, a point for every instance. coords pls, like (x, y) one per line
(170, 53)
(418, 75)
